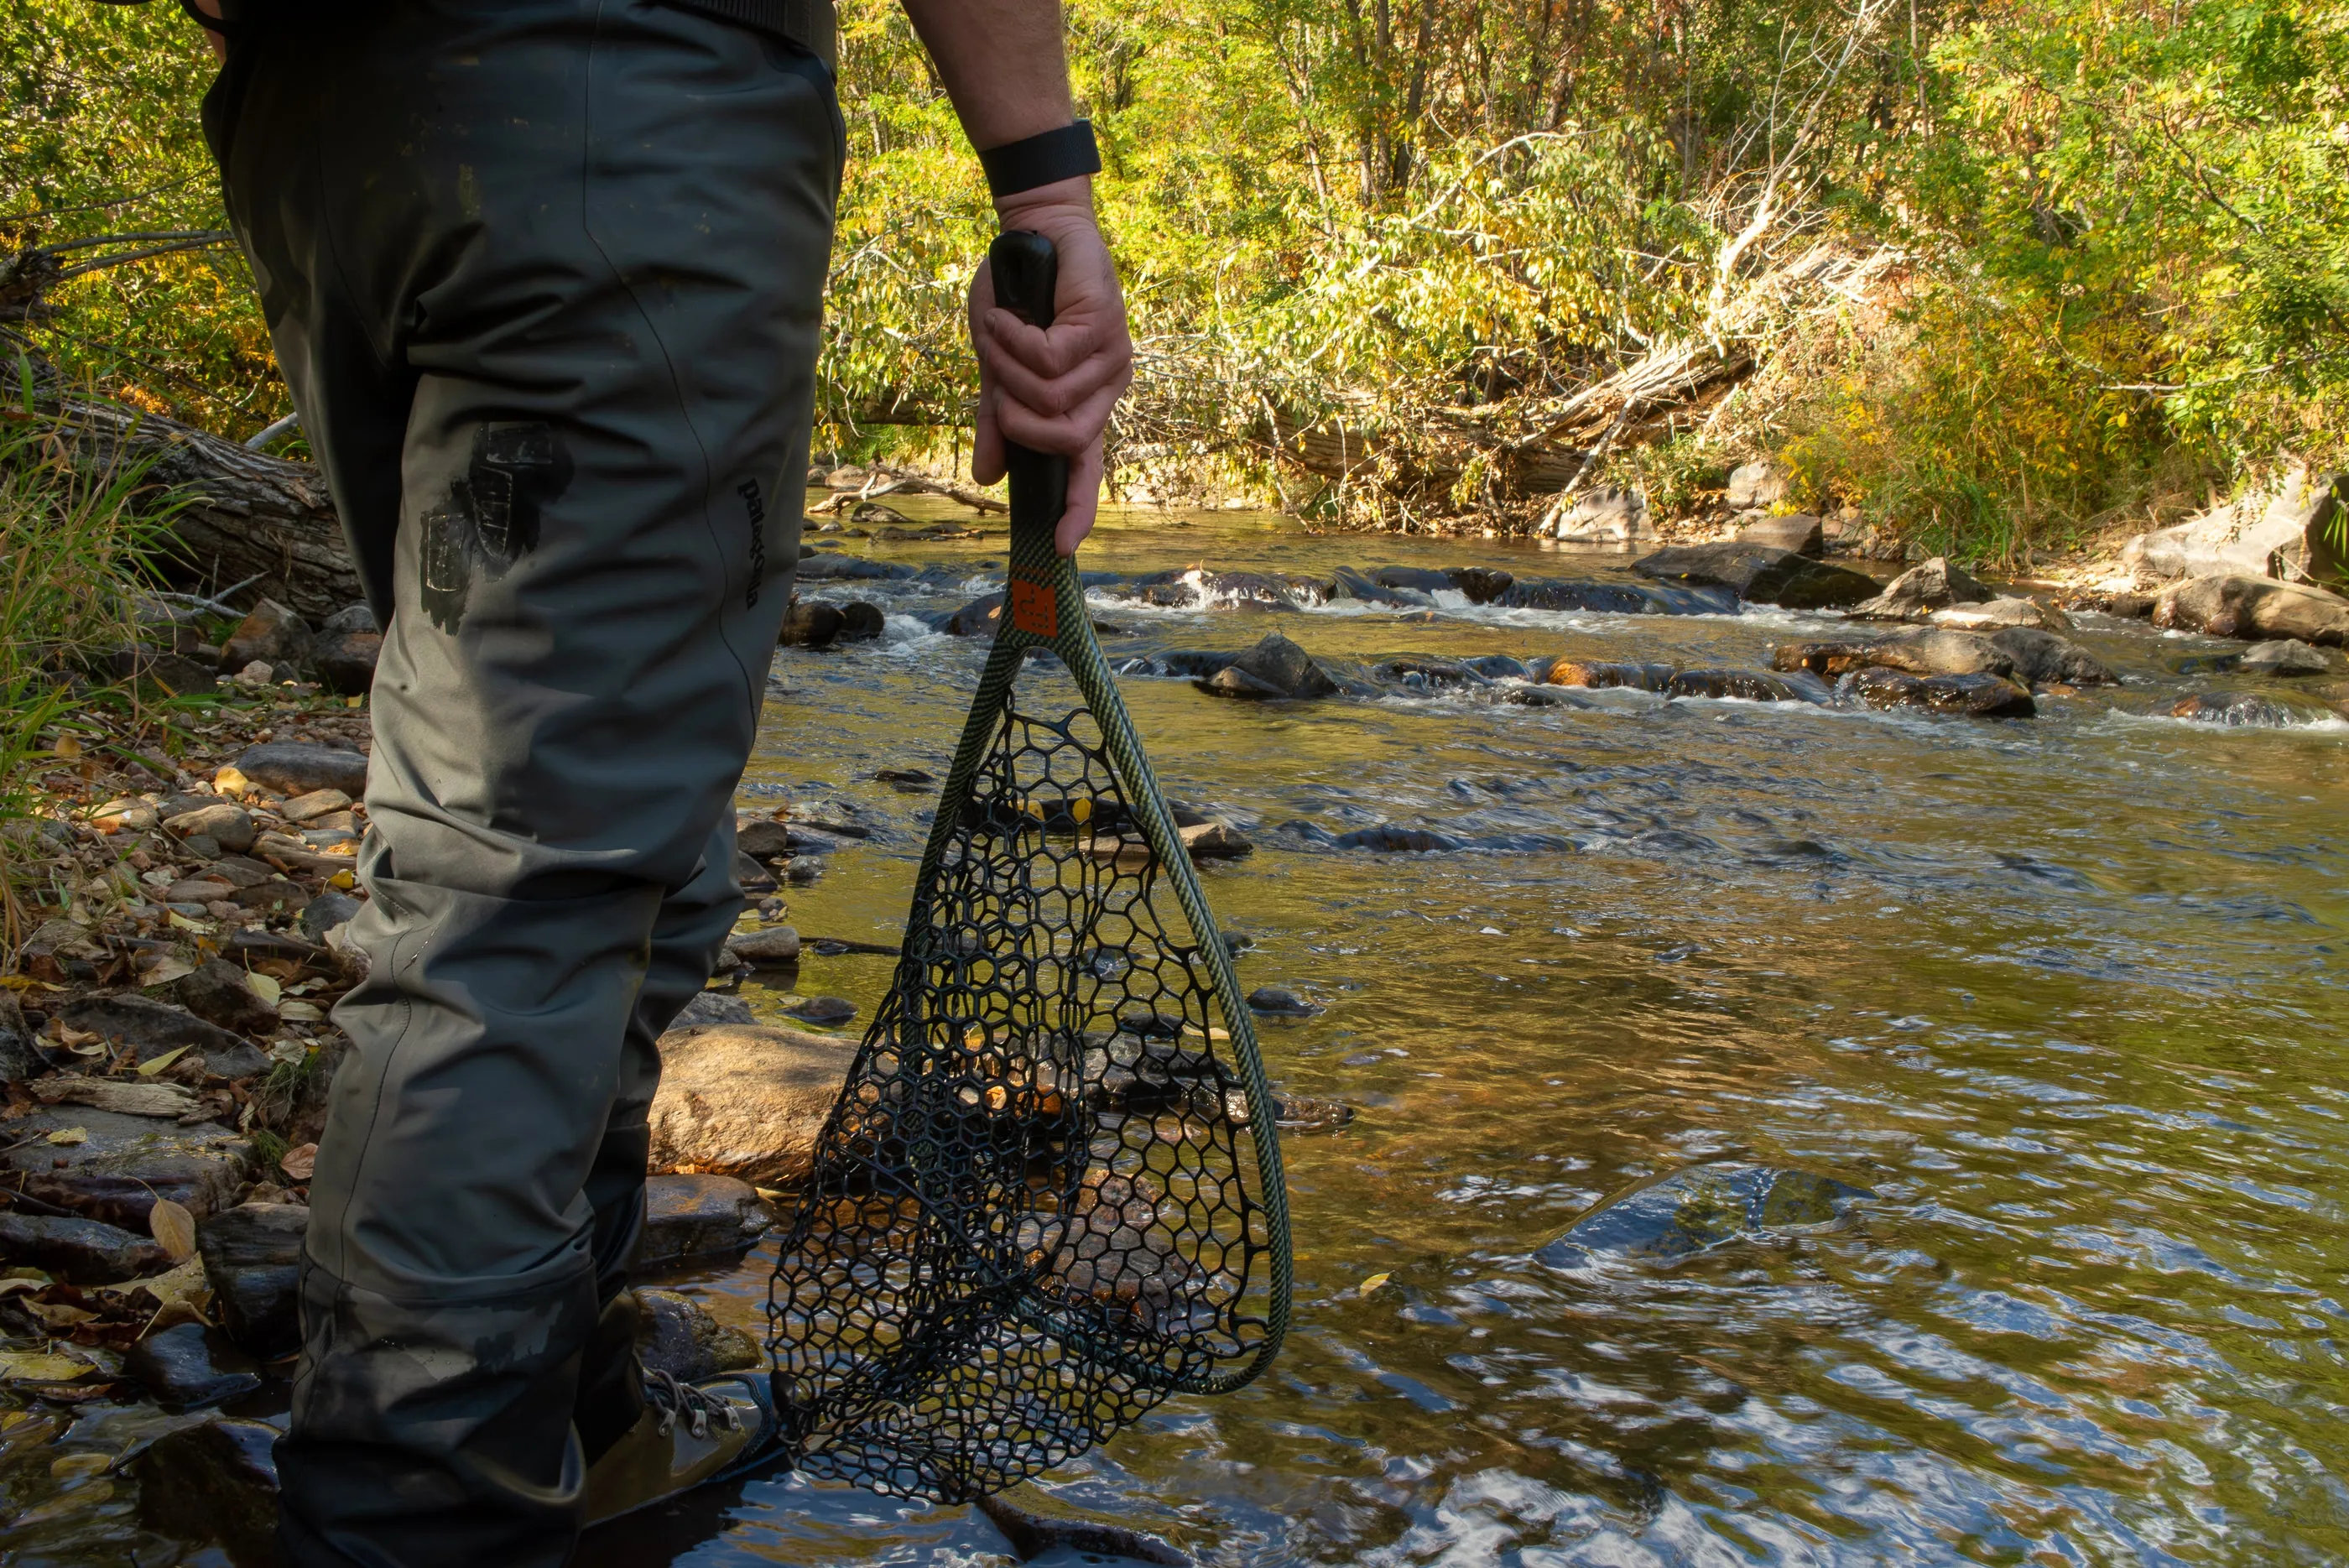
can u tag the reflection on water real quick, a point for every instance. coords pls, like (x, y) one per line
(2063, 992)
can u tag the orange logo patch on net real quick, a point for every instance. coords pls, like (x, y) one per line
(1035, 609)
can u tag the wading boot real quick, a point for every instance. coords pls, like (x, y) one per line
(690, 1434)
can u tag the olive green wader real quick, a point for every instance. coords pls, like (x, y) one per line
(545, 277)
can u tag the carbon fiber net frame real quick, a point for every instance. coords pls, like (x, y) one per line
(1049, 1195)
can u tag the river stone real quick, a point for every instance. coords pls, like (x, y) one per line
(1976, 696)
(1280, 1002)
(1921, 590)
(2043, 659)
(1350, 584)
(1420, 578)
(1602, 675)
(1617, 599)
(230, 826)
(745, 1100)
(1387, 838)
(345, 661)
(124, 1163)
(861, 622)
(770, 948)
(809, 625)
(1184, 588)
(1797, 531)
(977, 619)
(2002, 612)
(252, 1257)
(1689, 1212)
(272, 633)
(350, 617)
(1275, 667)
(714, 1007)
(822, 1009)
(2255, 609)
(330, 908)
(295, 767)
(1761, 573)
(190, 1366)
(1482, 585)
(676, 1335)
(2285, 656)
(79, 1252)
(2243, 710)
(151, 1028)
(214, 1480)
(751, 875)
(1213, 841)
(1748, 685)
(1921, 650)
(699, 1217)
(833, 565)
(219, 993)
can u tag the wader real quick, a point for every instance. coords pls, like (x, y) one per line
(545, 278)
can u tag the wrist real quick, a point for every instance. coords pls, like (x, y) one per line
(1020, 209)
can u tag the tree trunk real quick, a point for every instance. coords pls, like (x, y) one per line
(247, 516)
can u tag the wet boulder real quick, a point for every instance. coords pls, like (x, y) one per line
(1482, 585)
(1974, 696)
(190, 1365)
(252, 1257)
(1936, 585)
(1280, 1002)
(1598, 675)
(2255, 609)
(861, 622)
(745, 1100)
(1922, 651)
(978, 618)
(2043, 659)
(1423, 673)
(102, 1165)
(214, 1480)
(1418, 579)
(1192, 588)
(1761, 573)
(1349, 584)
(1689, 1212)
(676, 1335)
(809, 625)
(1745, 685)
(272, 633)
(2002, 612)
(830, 566)
(701, 1217)
(1617, 599)
(79, 1252)
(1797, 531)
(2244, 710)
(2285, 657)
(1274, 668)
(1388, 839)
(293, 767)
(149, 1028)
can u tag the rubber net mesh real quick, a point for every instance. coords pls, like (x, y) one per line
(1033, 1212)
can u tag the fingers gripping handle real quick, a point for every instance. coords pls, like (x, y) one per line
(1026, 272)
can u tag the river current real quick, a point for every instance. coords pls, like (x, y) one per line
(2064, 994)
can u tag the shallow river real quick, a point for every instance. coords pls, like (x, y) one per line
(2065, 993)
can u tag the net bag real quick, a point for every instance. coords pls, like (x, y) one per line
(1050, 1195)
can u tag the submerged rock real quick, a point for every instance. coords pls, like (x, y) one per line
(1193, 586)
(1694, 1211)
(701, 1217)
(2255, 609)
(190, 1366)
(1619, 598)
(2243, 710)
(1746, 685)
(1761, 573)
(1280, 1002)
(745, 1100)
(214, 1480)
(1389, 839)
(1602, 675)
(253, 1258)
(1350, 584)
(1975, 696)
(1482, 585)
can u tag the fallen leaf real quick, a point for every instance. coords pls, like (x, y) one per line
(65, 1137)
(183, 923)
(265, 987)
(10, 1287)
(171, 1224)
(58, 1315)
(167, 971)
(66, 747)
(300, 1012)
(33, 1367)
(74, 1039)
(154, 1064)
(1372, 1283)
(342, 879)
(300, 1163)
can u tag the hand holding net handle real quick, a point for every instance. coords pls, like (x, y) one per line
(1025, 271)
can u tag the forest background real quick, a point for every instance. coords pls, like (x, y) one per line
(1997, 276)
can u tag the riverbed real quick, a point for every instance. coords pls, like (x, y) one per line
(2064, 993)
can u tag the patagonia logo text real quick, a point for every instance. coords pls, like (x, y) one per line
(755, 509)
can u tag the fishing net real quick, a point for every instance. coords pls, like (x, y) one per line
(1050, 1195)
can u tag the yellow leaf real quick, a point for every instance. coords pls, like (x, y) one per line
(65, 1137)
(171, 1224)
(343, 879)
(300, 1012)
(187, 924)
(33, 1367)
(266, 987)
(167, 971)
(1372, 1283)
(155, 1065)
(67, 747)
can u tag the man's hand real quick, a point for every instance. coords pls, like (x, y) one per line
(1052, 390)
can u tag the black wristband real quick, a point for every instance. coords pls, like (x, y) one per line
(1041, 159)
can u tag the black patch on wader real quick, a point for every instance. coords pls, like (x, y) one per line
(756, 509)
(491, 517)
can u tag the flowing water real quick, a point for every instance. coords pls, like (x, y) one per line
(2062, 993)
